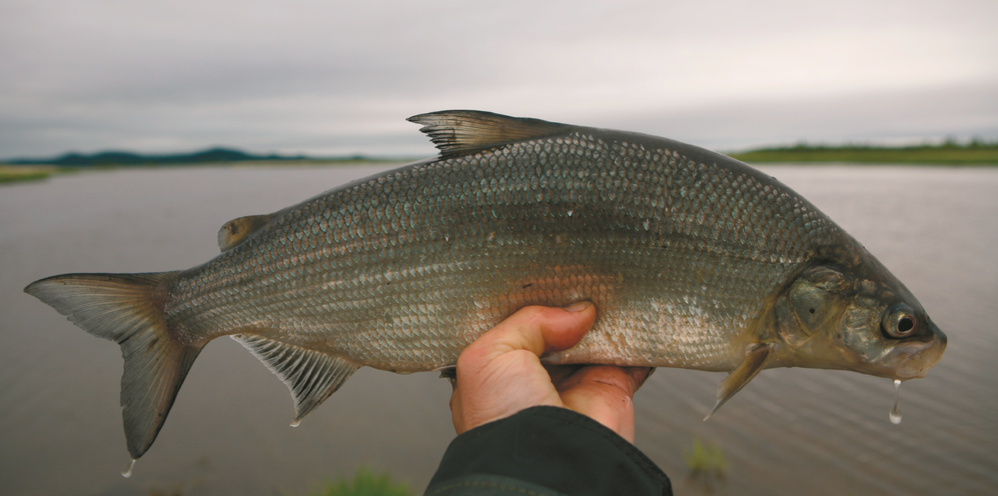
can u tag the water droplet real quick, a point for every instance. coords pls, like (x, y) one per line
(895, 414)
(295, 422)
(128, 471)
(570, 213)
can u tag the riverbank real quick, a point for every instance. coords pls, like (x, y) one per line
(14, 173)
(947, 154)
(21, 173)
(975, 153)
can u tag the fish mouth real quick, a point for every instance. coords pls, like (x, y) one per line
(913, 360)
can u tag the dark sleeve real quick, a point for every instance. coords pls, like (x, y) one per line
(546, 451)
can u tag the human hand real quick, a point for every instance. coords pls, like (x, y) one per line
(501, 373)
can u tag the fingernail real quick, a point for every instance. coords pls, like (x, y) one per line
(578, 306)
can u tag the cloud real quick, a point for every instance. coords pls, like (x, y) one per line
(340, 77)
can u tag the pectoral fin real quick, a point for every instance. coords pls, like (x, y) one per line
(755, 361)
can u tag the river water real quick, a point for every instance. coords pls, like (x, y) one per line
(791, 431)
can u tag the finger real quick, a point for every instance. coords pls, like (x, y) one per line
(605, 394)
(500, 373)
(535, 329)
(558, 373)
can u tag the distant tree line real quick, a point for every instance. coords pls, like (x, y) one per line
(213, 155)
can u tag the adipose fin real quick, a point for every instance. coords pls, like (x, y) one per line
(236, 231)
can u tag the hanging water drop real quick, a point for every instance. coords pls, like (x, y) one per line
(295, 422)
(128, 471)
(895, 414)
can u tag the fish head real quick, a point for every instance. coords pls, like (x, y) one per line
(859, 317)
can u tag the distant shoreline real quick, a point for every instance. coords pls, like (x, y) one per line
(947, 154)
(14, 173)
(210, 156)
(975, 153)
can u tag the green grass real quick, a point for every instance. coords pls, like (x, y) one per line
(15, 174)
(365, 483)
(950, 153)
(705, 460)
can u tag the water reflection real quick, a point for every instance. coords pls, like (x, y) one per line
(791, 431)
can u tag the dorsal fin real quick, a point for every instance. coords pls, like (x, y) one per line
(236, 230)
(459, 132)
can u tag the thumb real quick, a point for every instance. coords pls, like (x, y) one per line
(500, 373)
(535, 329)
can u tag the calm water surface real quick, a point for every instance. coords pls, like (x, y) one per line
(791, 431)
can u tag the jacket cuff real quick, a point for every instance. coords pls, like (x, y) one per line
(554, 448)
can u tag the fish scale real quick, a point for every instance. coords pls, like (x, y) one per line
(692, 259)
(474, 220)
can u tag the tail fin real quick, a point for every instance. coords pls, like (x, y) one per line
(128, 309)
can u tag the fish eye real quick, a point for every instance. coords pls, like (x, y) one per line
(905, 324)
(899, 322)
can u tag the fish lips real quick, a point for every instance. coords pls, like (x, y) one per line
(913, 359)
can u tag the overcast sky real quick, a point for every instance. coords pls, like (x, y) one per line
(334, 77)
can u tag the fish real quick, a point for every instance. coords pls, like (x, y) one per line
(693, 260)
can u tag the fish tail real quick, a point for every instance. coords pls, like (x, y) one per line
(128, 309)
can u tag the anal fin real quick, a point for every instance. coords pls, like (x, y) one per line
(312, 376)
(755, 361)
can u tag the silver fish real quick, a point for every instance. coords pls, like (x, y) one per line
(693, 259)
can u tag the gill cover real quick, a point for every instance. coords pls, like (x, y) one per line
(812, 303)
